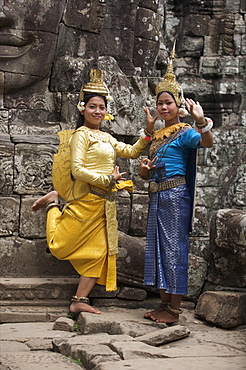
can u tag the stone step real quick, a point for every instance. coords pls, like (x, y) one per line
(37, 290)
(45, 299)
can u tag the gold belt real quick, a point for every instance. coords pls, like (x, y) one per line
(109, 195)
(168, 184)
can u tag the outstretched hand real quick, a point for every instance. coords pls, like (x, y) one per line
(117, 174)
(150, 120)
(195, 110)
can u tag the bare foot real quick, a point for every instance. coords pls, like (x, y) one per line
(83, 307)
(163, 305)
(149, 315)
(41, 202)
(165, 317)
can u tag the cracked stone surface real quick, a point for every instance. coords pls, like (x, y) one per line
(191, 341)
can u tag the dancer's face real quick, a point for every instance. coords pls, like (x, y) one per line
(167, 109)
(95, 110)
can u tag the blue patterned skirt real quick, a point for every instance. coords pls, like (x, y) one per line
(167, 242)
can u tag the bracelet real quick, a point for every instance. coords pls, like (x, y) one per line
(144, 136)
(52, 204)
(204, 127)
(112, 181)
(147, 133)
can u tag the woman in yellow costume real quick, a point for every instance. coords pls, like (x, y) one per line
(85, 230)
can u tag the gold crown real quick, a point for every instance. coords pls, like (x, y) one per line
(169, 82)
(96, 85)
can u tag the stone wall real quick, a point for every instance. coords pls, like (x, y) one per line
(54, 44)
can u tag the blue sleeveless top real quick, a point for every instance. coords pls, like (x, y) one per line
(175, 155)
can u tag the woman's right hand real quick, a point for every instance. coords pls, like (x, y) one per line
(145, 166)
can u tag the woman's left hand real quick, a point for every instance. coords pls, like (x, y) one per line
(149, 120)
(195, 110)
(117, 174)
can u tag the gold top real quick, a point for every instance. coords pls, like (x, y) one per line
(93, 155)
(169, 82)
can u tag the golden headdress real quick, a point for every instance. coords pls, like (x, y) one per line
(169, 82)
(96, 85)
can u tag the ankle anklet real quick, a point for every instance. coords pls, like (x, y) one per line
(80, 299)
(173, 311)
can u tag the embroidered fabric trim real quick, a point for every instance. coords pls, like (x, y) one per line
(109, 195)
(96, 134)
(168, 184)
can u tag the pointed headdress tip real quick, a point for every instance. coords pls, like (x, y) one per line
(169, 82)
(96, 84)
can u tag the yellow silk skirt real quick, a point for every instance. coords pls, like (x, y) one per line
(79, 234)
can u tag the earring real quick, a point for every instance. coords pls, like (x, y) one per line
(182, 112)
(81, 106)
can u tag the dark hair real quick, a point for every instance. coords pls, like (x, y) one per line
(165, 92)
(87, 97)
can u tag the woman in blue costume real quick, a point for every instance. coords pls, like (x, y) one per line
(170, 170)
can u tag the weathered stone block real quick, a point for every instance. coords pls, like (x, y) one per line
(209, 66)
(150, 4)
(130, 262)
(126, 106)
(200, 247)
(85, 15)
(4, 117)
(144, 55)
(98, 291)
(228, 243)
(139, 214)
(34, 122)
(25, 257)
(229, 66)
(32, 225)
(123, 205)
(225, 309)
(163, 336)
(197, 274)
(33, 168)
(124, 12)
(191, 46)
(9, 214)
(147, 24)
(201, 226)
(63, 324)
(140, 185)
(132, 293)
(195, 24)
(41, 359)
(118, 43)
(35, 98)
(131, 350)
(91, 324)
(6, 165)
